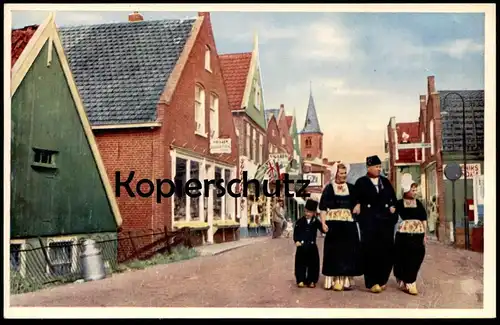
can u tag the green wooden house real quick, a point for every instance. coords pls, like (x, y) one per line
(60, 192)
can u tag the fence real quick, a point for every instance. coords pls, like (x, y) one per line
(36, 265)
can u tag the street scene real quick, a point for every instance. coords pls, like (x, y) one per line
(248, 159)
(450, 278)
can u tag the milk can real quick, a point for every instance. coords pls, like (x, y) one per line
(92, 262)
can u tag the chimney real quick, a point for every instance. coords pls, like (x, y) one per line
(431, 85)
(282, 106)
(204, 14)
(135, 16)
(423, 111)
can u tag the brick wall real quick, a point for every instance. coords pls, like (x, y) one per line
(316, 148)
(432, 113)
(274, 140)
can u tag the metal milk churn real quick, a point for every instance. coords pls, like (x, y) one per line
(92, 262)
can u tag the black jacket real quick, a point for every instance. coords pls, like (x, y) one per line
(306, 233)
(375, 205)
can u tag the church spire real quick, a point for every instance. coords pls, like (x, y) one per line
(311, 124)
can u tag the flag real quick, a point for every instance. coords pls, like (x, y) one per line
(260, 173)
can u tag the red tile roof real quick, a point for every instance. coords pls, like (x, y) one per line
(408, 155)
(289, 120)
(235, 71)
(19, 40)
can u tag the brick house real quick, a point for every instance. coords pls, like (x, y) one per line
(155, 97)
(440, 124)
(403, 161)
(243, 79)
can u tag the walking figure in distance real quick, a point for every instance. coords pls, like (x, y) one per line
(307, 256)
(376, 210)
(342, 248)
(410, 238)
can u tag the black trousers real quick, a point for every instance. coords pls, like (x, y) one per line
(307, 264)
(377, 243)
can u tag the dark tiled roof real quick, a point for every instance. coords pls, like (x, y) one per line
(452, 117)
(408, 155)
(311, 124)
(273, 111)
(19, 40)
(121, 69)
(235, 68)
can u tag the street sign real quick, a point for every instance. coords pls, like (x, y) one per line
(420, 145)
(472, 170)
(453, 171)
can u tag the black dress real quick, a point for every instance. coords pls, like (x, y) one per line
(376, 223)
(307, 255)
(410, 247)
(341, 251)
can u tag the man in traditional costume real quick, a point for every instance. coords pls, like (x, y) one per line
(278, 216)
(307, 256)
(410, 238)
(376, 207)
(342, 250)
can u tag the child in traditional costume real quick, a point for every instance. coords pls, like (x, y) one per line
(410, 238)
(307, 256)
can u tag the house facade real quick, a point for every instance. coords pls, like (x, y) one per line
(60, 192)
(441, 125)
(243, 80)
(404, 163)
(163, 114)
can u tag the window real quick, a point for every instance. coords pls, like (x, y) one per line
(44, 158)
(216, 193)
(228, 200)
(199, 110)
(431, 126)
(308, 155)
(194, 202)
(282, 141)
(180, 198)
(261, 148)
(308, 143)
(208, 66)
(214, 116)
(273, 133)
(248, 135)
(422, 138)
(62, 256)
(254, 145)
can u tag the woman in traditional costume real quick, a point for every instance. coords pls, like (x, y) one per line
(341, 253)
(410, 238)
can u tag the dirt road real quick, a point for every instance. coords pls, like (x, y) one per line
(261, 275)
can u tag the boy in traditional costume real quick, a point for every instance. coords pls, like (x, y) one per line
(410, 238)
(307, 256)
(376, 207)
(342, 250)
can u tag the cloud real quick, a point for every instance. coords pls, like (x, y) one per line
(459, 48)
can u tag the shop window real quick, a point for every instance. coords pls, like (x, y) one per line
(217, 200)
(195, 201)
(180, 196)
(227, 199)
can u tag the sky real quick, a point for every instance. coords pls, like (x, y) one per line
(363, 67)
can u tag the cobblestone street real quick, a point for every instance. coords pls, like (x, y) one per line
(261, 275)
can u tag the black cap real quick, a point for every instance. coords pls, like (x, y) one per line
(311, 205)
(373, 161)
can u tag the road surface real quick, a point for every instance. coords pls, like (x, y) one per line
(261, 275)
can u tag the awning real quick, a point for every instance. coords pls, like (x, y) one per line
(299, 200)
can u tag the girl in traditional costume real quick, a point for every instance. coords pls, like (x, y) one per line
(341, 253)
(410, 238)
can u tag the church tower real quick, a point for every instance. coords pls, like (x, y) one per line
(311, 137)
